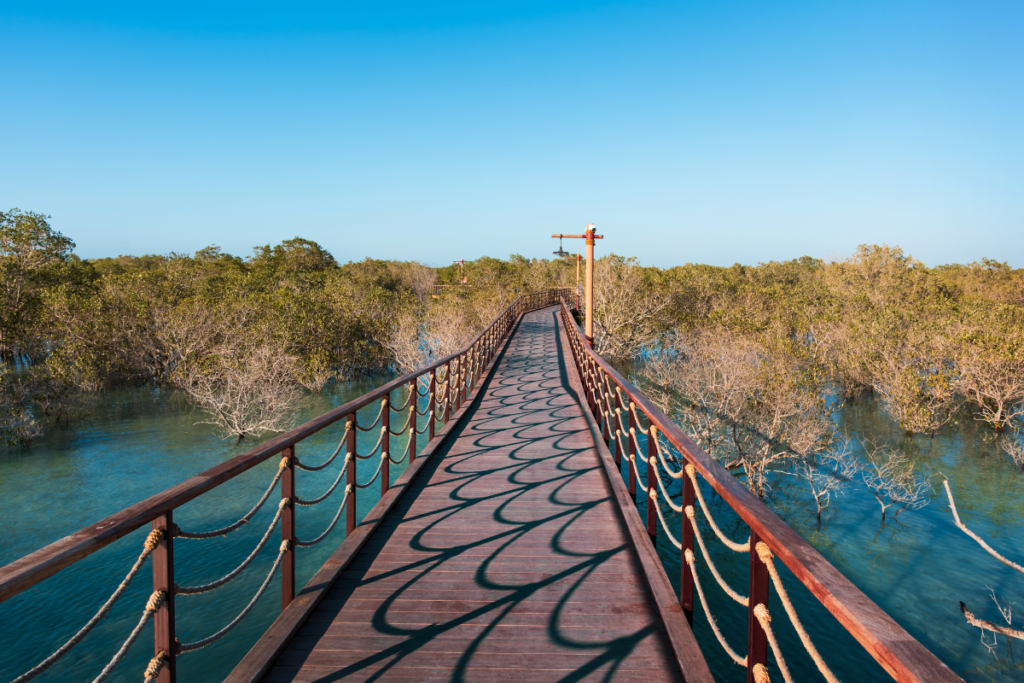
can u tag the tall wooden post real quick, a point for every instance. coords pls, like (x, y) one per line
(350, 475)
(757, 640)
(385, 444)
(163, 580)
(288, 527)
(588, 330)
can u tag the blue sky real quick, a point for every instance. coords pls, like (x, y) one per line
(714, 132)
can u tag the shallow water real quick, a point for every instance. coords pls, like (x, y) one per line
(135, 443)
(916, 568)
(140, 441)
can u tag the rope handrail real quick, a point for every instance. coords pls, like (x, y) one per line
(206, 588)
(742, 661)
(711, 565)
(373, 451)
(147, 549)
(765, 553)
(328, 492)
(152, 605)
(376, 420)
(199, 644)
(194, 535)
(326, 463)
(330, 527)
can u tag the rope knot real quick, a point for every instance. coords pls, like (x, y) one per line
(764, 552)
(761, 612)
(653, 494)
(632, 457)
(284, 463)
(285, 546)
(155, 601)
(691, 470)
(155, 664)
(348, 488)
(153, 540)
(652, 461)
(348, 458)
(689, 511)
(689, 556)
(654, 430)
(761, 673)
(285, 502)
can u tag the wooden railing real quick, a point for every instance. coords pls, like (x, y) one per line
(616, 405)
(446, 383)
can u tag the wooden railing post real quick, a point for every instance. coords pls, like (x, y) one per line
(350, 475)
(413, 418)
(757, 640)
(288, 527)
(385, 444)
(686, 580)
(447, 392)
(652, 487)
(163, 580)
(618, 421)
(458, 374)
(431, 404)
(631, 421)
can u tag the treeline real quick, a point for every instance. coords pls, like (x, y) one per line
(753, 360)
(765, 348)
(241, 335)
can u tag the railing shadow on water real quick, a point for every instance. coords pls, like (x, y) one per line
(524, 417)
(446, 384)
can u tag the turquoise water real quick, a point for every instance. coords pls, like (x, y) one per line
(139, 441)
(135, 443)
(916, 568)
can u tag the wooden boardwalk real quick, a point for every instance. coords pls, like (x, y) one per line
(507, 559)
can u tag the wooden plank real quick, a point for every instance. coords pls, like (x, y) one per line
(524, 646)
(449, 659)
(259, 659)
(295, 674)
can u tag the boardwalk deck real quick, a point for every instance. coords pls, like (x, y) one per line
(506, 560)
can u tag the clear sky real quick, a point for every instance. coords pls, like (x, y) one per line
(710, 132)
